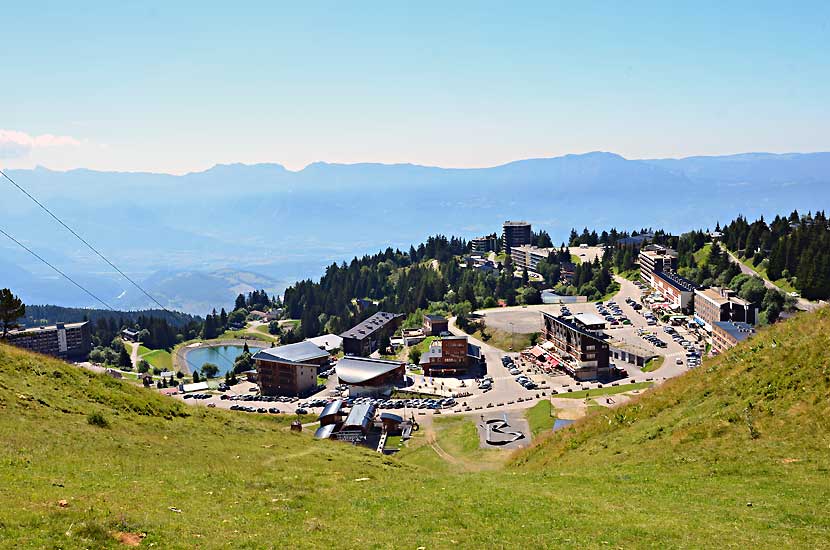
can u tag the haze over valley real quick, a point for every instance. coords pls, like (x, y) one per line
(197, 240)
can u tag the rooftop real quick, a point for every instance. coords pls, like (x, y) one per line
(292, 353)
(676, 280)
(515, 223)
(357, 370)
(47, 328)
(360, 415)
(577, 327)
(738, 330)
(436, 317)
(328, 342)
(590, 319)
(332, 408)
(370, 325)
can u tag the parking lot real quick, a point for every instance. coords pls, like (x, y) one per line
(633, 337)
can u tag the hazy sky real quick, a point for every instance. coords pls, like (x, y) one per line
(181, 87)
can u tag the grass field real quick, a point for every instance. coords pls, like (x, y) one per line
(631, 274)
(607, 390)
(733, 454)
(654, 363)
(504, 339)
(540, 417)
(158, 357)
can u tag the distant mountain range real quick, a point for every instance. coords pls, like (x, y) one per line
(200, 238)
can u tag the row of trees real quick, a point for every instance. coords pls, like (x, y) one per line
(795, 248)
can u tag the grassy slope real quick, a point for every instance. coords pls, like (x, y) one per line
(158, 358)
(674, 469)
(540, 417)
(750, 426)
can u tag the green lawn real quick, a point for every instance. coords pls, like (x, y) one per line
(575, 259)
(654, 363)
(504, 339)
(631, 274)
(702, 255)
(158, 358)
(607, 390)
(540, 417)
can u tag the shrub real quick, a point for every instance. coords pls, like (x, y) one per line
(98, 419)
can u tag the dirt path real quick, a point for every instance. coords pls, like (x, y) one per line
(432, 441)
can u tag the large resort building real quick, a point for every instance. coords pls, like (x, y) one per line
(514, 234)
(363, 338)
(528, 257)
(70, 341)
(653, 258)
(713, 305)
(370, 377)
(289, 370)
(658, 266)
(483, 245)
(578, 343)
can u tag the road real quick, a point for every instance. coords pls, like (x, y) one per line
(800, 303)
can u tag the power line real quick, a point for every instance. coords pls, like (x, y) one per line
(57, 219)
(74, 282)
(67, 277)
(100, 255)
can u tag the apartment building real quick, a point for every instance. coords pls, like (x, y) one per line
(70, 341)
(515, 234)
(528, 257)
(713, 305)
(578, 343)
(485, 244)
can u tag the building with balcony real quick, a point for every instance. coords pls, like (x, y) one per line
(70, 341)
(727, 334)
(714, 305)
(528, 257)
(450, 356)
(289, 370)
(578, 344)
(483, 245)
(514, 234)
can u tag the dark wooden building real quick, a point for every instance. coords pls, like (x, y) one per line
(580, 348)
(363, 338)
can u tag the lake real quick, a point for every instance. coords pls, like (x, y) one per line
(221, 356)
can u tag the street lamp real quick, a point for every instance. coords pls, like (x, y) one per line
(512, 334)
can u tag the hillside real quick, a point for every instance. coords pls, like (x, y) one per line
(689, 465)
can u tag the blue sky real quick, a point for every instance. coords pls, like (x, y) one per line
(181, 87)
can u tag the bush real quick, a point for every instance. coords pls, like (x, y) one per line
(98, 419)
(143, 366)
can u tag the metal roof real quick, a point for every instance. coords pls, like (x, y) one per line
(357, 370)
(292, 353)
(324, 432)
(328, 342)
(332, 408)
(361, 416)
(48, 328)
(392, 417)
(370, 325)
(590, 319)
